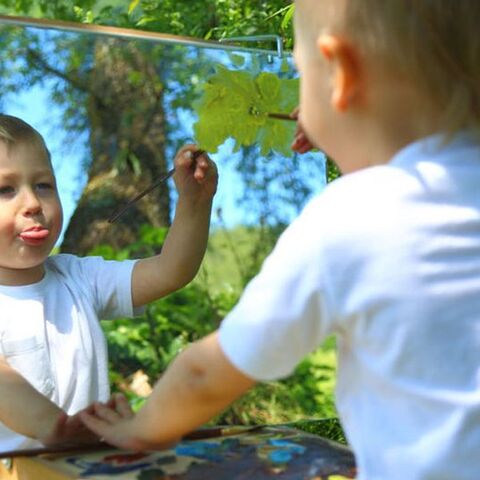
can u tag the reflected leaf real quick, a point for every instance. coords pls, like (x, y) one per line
(237, 60)
(236, 104)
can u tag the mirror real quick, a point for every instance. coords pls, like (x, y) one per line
(114, 105)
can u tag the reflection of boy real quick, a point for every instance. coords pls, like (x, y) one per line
(53, 356)
(387, 258)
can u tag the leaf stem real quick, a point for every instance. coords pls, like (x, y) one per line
(281, 116)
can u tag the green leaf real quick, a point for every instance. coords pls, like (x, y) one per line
(287, 19)
(285, 67)
(236, 104)
(237, 60)
(269, 86)
(133, 5)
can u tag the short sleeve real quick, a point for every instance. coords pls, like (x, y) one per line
(108, 283)
(283, 313)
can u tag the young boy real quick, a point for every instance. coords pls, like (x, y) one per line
(53, 358)
(387, 257)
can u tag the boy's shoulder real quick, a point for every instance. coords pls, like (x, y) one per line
(88, 268)
(372, 192)
(72, 265)
(420, 171)
(387, 204)
(63, 262)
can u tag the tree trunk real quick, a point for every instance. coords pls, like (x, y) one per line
(127, 140)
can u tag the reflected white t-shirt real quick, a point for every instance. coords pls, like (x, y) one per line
(388, 259)
(50, 331)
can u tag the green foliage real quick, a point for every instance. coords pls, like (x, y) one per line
(234, 256)
(210, 19)
(330, 428)
(150, 341)
(236, 104)
(332, 170)
(307, 393)
(166, 326)
(314, 381)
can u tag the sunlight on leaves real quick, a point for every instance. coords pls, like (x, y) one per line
(237, 104)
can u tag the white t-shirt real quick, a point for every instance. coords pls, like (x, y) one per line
(50, 331)
(388, 259)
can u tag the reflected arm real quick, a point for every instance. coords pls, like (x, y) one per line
(186, 242)
(27, 412)
(22, 408)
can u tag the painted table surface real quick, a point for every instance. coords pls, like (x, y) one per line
(268, 453)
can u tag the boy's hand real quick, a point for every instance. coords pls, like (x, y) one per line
(301, 143)
(113, 425)
(196, 180)
(70, 429)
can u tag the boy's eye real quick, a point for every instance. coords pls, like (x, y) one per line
(6, 190)
(45, 186)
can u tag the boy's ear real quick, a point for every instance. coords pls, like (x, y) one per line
(344, 59)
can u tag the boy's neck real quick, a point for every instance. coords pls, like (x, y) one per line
(399, 114)
(10, 277)
(393, 114)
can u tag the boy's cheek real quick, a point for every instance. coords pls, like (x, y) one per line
(7, 228)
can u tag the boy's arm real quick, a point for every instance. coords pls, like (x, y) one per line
(200, 383)
(186, 241)
(27, 412)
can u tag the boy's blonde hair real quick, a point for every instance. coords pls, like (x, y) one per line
(14, 131)
(434, 43)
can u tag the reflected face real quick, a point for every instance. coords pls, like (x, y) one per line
(30, 213)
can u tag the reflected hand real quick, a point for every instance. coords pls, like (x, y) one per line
(113, 423)
(301, 143)
(196, 174)
(69, 430)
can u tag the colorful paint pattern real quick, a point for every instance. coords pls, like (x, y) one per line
(273, 452)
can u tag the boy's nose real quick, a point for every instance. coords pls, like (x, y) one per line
(31, 204)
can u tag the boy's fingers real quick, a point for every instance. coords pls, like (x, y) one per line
(204, 168)
(201, 169)
(301, 144)
(90, 409)
(114, 399)
(184, 156)
(106, 413)
(123, 407)
(304, 147)
(93, 423)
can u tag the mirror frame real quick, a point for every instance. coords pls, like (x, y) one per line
(130, 33)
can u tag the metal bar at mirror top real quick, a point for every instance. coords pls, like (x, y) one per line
(223, 44)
